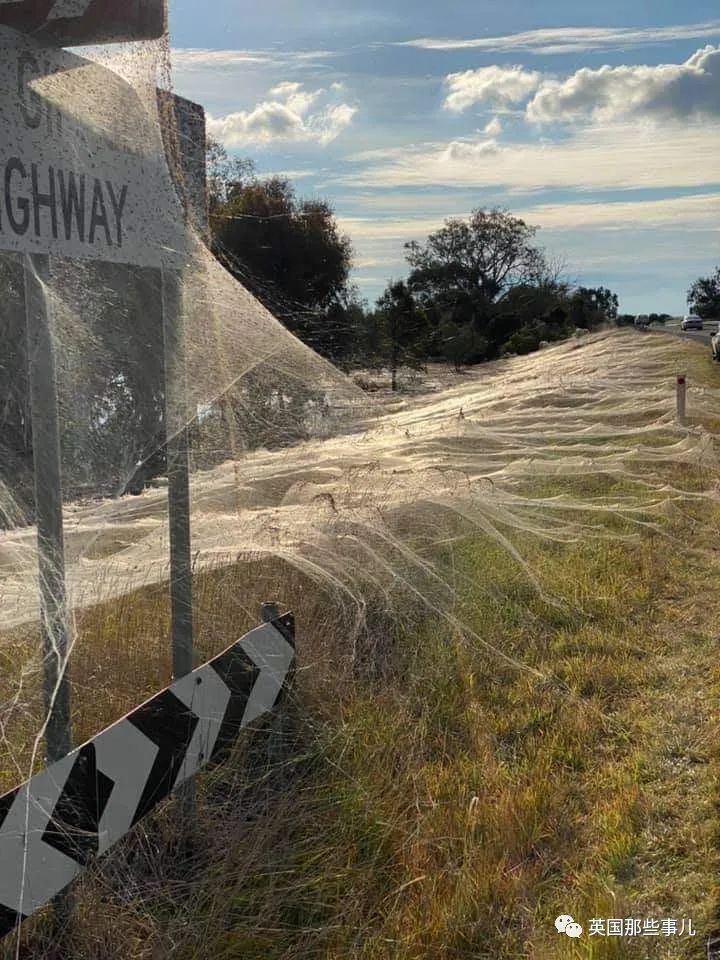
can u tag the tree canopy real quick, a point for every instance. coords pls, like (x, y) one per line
(487, 288)
(703, 297)
(403, 327)
(289, 252)
(478, 287)
(487, 253)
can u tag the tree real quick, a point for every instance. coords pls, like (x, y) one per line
(403, 323)
(225, 175)
(489, 252)
(527, 305)
(287, 251)
(344, 328)
(703, 297)
(463, 272)
(592, 306)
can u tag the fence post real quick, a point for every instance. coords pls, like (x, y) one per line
(681, 396)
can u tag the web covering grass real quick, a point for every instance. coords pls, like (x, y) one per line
(473, 573)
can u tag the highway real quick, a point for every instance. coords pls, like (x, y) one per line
(672, 327)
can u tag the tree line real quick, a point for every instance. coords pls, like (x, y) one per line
(476, 289)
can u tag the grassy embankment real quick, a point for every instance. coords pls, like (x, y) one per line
(449, 804)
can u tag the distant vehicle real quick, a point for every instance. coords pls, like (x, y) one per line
(643, 320)
(715, 344)
(692, 322)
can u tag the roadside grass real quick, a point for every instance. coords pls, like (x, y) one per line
(538, 755)
(455, 805)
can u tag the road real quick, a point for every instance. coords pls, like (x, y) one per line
(673, 328)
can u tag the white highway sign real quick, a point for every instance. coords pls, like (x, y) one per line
(83, 170)
(52, 826)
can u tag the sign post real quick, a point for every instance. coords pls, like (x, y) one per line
(73, 186)
(178, 467)
(48, 507)
(178, 472)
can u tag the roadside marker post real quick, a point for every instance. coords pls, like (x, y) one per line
(681, 398)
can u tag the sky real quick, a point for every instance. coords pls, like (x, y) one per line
(595, 122)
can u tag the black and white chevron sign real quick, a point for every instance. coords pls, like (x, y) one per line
(51, 826)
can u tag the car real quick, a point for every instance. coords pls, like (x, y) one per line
(691, 322)
(715, 344)
(642, 321)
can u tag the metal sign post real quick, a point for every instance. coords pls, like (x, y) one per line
(48, 506)
(178, 467)
(178, 472)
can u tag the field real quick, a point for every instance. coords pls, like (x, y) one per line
(506, 706)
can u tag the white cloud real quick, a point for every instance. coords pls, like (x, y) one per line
(285, 89)
(460, 150)
(295, 98)
(695, 210)
(493, 128)
(572, 39)
(611, 156)
(368, 228)
(200, 58)
(267, 122)
(286, 117)
(677, 91)
(701, 211)
(293, 174)
(496, 86)
(331, 122)
(367, 264)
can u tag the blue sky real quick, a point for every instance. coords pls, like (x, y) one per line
(598, 123)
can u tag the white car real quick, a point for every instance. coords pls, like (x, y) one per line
(691, 322)
(642, 321)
